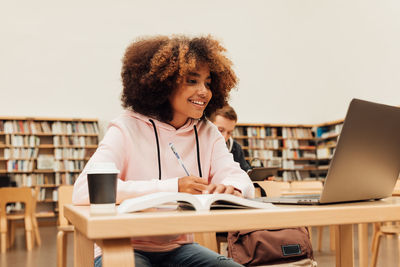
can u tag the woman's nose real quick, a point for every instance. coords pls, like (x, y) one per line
(203, 90)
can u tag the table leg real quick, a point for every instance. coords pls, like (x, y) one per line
(344, 245)
(332, 237)
(363, 244)
(83, 250)
(117, 252)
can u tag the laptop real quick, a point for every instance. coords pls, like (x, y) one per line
(262, 173)
(366, 162)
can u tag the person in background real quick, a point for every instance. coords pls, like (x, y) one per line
(170, 86)
(225, 119)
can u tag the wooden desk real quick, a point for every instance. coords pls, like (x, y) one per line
(112, 232)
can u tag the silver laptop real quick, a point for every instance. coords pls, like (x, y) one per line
(366, 163)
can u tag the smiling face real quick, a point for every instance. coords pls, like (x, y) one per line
(191, 96)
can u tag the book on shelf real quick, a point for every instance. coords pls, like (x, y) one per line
(19, 165)
(21, 127)
(202, 202)
(45, 162)
(8, 127)
(23, 180)
(45, 127)
(327, 131)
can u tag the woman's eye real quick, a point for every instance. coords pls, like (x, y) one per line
(191, 81)
(208, 85)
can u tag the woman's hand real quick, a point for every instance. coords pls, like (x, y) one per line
(192, 185)
(197, 185)
(222, 189)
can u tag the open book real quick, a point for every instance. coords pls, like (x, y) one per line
(203, 202)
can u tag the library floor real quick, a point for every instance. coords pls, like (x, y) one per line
(45, 255)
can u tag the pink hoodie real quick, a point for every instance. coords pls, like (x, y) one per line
(130, 143)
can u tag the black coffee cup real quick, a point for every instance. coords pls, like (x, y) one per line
(102, 180)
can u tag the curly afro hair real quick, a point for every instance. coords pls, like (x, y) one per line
(153, 66)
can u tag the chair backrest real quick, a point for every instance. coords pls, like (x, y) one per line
(306, 185)
(64, 197)
(273, 188)
(35, 194)
(14, 195)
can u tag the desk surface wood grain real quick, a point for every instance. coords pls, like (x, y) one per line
(176, 222)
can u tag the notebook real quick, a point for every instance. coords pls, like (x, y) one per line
(366, 162)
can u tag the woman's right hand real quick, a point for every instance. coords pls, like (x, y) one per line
(192, 184)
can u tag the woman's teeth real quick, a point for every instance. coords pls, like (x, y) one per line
(197, 102)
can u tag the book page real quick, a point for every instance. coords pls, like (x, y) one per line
(211, 201)
(156, 200)
(225, 201)
(185, 200)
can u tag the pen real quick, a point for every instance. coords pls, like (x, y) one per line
(171, 145)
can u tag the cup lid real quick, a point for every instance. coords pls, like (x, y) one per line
(102, 167)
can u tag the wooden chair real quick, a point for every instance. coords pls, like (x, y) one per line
(273, 188)
(14, 217)
(307, 186)
(14, 195)
(64, 197)
(385, 229)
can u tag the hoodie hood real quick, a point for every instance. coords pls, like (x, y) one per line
(187, 127)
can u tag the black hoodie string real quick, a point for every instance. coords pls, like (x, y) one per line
(158, 149)
(198, 150)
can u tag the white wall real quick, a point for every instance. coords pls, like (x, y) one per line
(299, 61)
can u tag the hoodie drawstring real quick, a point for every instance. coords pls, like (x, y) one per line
(158, 150)
(198, 150)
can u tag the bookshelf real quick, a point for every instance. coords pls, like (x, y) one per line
(301, 152)
(326, 136)
(44, 153)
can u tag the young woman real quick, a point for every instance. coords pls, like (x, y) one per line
(170, 84)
